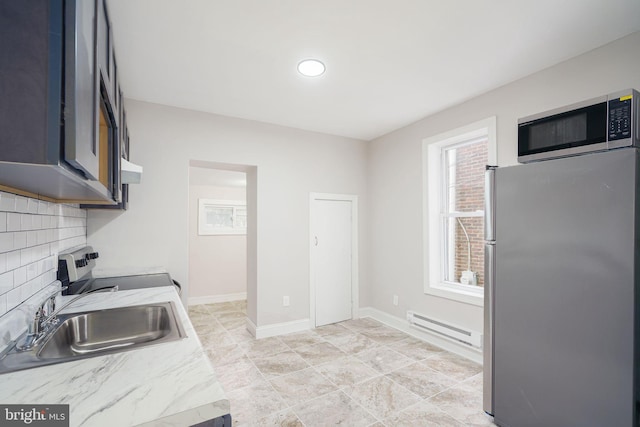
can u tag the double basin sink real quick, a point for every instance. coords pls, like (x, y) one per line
(100, 332)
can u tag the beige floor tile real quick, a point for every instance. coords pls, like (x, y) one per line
(233, 379)
(346, 371)
(423, 381)
(198, 311)
(226, 307)
(225, 355)
(317, 354)
(210, 326)
(232, 319)
(476, 382)
(352, 343)
(423, 414)
(383, 359)
(301, 386)
(464, 403)
(333, 330)
(416, 349)
(454, 366)
(334, 409)
(363, 324)
(263, 347)
(382, 397)
(215, 339)
(377, 379)
(240, 334)
(253, 402)
(384, 335)
(301, 339)
(285, 418)
(280, 364)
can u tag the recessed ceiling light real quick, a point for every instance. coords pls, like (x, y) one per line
(311, 68)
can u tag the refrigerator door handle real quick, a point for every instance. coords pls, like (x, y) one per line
(490, 204)
(489, 283)
(488, 344)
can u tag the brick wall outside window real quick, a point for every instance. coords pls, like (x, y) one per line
(470, 166)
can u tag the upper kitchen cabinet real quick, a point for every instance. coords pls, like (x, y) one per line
(59, 113)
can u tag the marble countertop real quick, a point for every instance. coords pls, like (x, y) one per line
(168, 384)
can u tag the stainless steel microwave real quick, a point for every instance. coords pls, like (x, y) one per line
(599, 124)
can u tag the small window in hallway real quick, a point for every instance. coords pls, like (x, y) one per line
(217, 217)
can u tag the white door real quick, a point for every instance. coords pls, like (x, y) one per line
(332, 258)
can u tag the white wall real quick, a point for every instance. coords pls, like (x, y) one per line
(395, 169)
(217, 264)
(289, 164)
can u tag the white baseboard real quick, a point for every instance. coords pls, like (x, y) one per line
(251, 327)
(403, 325)
(277, 329)
(214, 299)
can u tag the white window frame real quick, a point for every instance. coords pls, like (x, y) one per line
(205, 229)
(432, 149)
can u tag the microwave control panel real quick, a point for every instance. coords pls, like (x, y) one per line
(620, 118)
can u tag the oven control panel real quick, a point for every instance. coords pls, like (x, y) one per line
(79, 263)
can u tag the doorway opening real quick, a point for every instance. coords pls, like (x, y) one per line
(222, 236)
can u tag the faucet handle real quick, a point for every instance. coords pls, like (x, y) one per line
(35, 324)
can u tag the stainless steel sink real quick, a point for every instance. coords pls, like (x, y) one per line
(95, 333)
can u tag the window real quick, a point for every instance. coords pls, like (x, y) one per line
(454, 165)
(219, 217)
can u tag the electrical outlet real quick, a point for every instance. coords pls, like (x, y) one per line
(395, 300)
(285, 301)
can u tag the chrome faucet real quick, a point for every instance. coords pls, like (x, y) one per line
(46, 316)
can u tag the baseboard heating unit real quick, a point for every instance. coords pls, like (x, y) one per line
(465, 336)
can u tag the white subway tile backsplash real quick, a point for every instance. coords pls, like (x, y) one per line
(14, 297)
(25, 222)
(32, 232)
(6, 282)
(22, 204)
(3, 304)
(36, 222)
(13, 260)
(32, 270)
(14, 221)
(6, 242)
(32, 206)
(19, 240)
(32, 238)
(7, 202)
(19, 276)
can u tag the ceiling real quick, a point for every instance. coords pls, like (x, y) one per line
(389, 62)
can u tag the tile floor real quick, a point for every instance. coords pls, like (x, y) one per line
(354, 373)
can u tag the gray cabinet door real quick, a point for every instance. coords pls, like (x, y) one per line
(104, 51)
(80, 148)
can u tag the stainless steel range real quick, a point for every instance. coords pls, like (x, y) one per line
(75, 272)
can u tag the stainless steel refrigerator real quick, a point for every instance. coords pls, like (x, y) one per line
(561, 292)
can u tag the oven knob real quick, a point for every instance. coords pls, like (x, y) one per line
(93, 255)
(81, 263)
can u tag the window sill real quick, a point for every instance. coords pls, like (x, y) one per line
(450, 291)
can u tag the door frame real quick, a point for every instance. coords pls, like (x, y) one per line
(313, 197)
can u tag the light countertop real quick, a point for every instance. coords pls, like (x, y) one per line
(168, 384)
